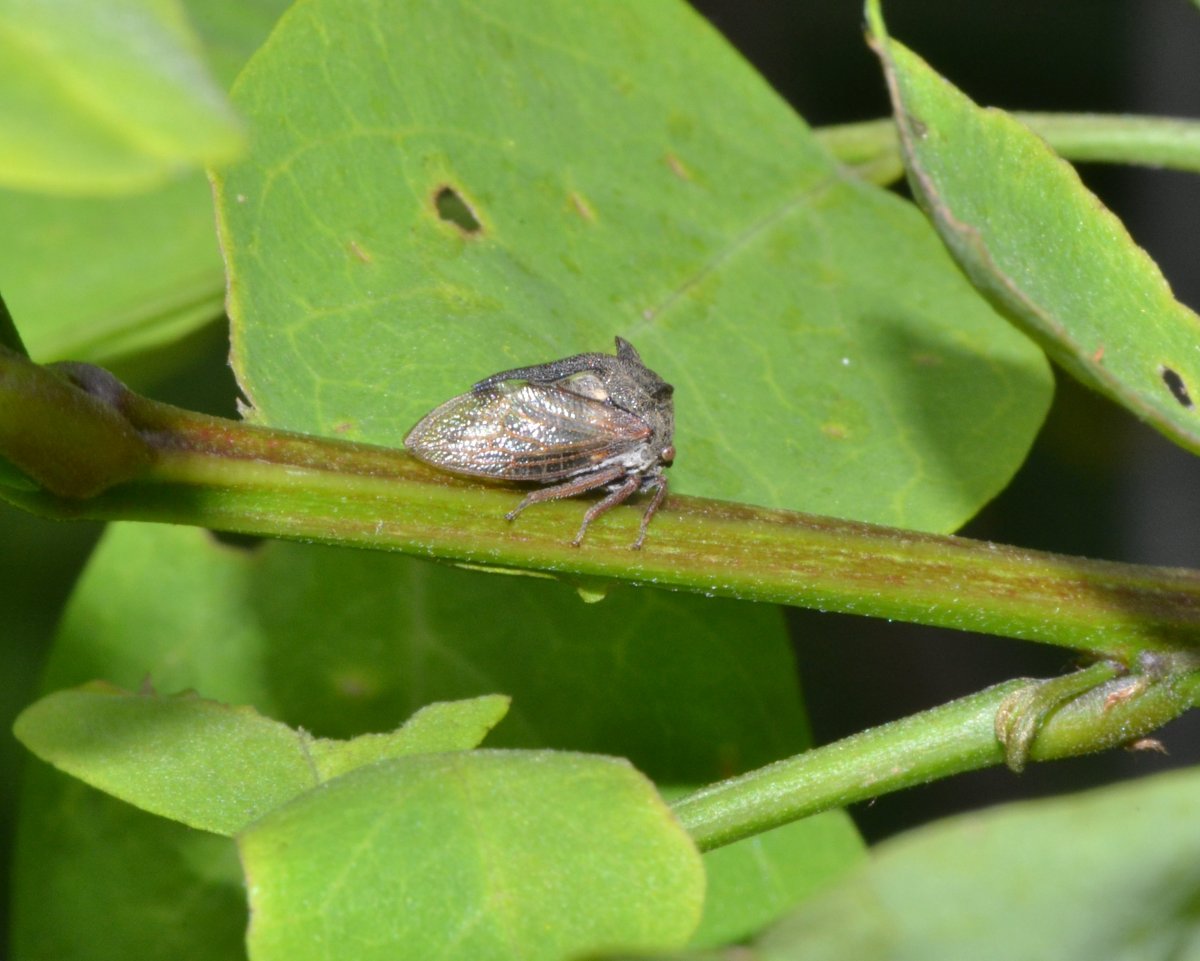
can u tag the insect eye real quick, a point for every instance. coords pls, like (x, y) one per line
(668, 455)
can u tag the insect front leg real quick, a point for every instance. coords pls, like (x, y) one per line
(621, 494)
(659, 495)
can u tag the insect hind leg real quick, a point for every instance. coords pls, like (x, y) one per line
(580, 485)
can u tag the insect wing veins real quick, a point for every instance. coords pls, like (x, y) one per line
(578, 424)
(527, 432)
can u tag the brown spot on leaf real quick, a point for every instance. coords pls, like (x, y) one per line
(582, 207)
(359, 252)
(678, 168)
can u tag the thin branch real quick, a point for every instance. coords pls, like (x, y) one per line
(871, 148)
(955, 737)
(226, 475)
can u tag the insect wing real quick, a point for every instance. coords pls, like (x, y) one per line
(529, 432)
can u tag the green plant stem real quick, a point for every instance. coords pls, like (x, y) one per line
(955, 737)
(69, 441)
(871, 147)
(230, 476)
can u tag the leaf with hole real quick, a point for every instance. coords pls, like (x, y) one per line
(459, 190)
(1036, 241)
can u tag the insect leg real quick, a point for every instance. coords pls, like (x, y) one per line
(659, 495)
(568, 489)
(622, 493)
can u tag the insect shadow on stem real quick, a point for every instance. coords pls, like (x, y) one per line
(587, 422)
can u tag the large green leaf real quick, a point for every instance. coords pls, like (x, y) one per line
(484, 854)
(97, 878)
(758, 880)
(106, 97)
(1027, 231)
(341, 642)
(616, 169)
(144, 269)
(213, 766)
(1106, 875)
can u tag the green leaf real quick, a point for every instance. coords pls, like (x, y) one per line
(484, 854)
(1035, 240)
(434, 729)
(827, 354)
(144, 269)
(212, 766)
(13, 478)
(106, 97)
(108, 882)
(231, 30)
(756, 881)
(1107, 874)
(341, 642)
